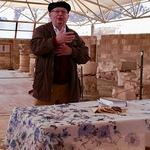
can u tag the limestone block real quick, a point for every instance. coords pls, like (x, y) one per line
(115, 41)
(90, 87)
(117, 90)
(129, 95)
(127, 66)
(146, 90)
(93, 52)
(121, 93)
(90, 84)
(130, 85)
(89, 68)
(123, 76)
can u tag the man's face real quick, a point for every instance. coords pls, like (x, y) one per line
(59, 17)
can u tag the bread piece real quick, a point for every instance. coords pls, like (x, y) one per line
(105, 109)
(116, 108)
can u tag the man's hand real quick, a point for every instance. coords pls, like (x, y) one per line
(66, 37)
(63, 50)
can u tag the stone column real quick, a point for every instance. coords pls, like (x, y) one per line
(24, 58)
(32, 65)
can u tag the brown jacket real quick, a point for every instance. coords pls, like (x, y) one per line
(42, 46)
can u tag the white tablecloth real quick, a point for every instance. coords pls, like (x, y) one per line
(76, 127)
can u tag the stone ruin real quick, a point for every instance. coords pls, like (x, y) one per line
(87, 72)
(127, 82)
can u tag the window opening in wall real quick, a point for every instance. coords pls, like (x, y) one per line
(5, 48)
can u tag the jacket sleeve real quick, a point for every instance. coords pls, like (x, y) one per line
(42, 41)
(80, 52)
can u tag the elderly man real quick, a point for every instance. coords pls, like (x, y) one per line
(58, 50)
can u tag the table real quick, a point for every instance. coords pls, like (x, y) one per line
(76, 127)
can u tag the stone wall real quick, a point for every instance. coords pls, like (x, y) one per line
(113, 49)
(13, 58)
(5, 56)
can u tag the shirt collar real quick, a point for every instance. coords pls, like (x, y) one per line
(57, 31)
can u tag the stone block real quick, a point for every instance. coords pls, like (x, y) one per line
(123, 76)
(127, 66)
(130, 85)
(122, 94)
(89, 68)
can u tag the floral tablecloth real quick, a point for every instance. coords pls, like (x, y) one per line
(76, 127)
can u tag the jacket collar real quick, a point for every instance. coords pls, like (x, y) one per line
(49, 27)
